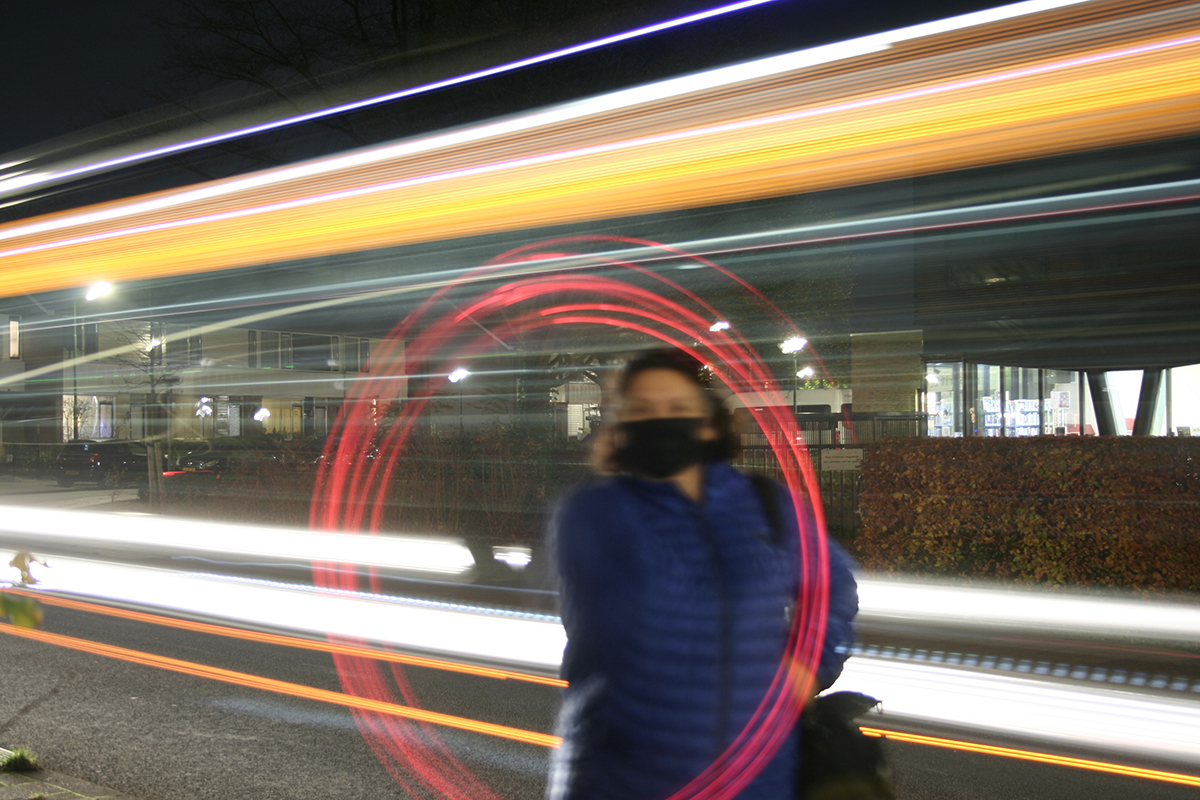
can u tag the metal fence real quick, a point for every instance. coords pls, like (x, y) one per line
(828, 439)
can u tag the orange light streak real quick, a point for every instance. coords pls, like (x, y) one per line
(291, 641)
(791, 135)
(517, 734)
(1042, 758)
(283, 687)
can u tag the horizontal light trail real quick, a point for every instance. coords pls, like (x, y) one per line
(588, 161)
(1031, 610)
(1026, 609)
(418, 554)
(1096, 717)
(1030, 755)
(1083, 204)
(289, 641)
(282, 687)
(441, 630)
(24, 180)
(530, 737)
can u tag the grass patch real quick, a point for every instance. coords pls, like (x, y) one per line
(21, 759)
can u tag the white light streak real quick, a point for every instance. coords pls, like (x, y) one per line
(526, 643)
(1103, 717)
(421, 554)
(1096, 716)
(1030, 610)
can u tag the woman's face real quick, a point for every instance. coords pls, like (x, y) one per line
(659, 393)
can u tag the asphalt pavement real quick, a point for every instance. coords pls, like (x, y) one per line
(23, 490)
(157, 735)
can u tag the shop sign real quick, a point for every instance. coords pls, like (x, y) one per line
(841, 458)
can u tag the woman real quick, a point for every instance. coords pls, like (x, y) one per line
(677, 596)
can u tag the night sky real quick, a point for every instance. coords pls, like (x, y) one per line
(67, 63)
(71, 64)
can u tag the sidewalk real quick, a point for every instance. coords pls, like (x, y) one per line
(50, 784)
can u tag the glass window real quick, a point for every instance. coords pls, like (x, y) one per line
(350, 348)
(285, 351)
(1022, 402)
(943, 398)
(1061, 403)
(1124, 388)
(268, 349)
(989, 411)
(1184, 383)
(312, 352)
(14, 337)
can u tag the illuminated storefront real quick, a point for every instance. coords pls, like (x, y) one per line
(963, 399)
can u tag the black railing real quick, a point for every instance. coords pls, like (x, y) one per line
(823, 435)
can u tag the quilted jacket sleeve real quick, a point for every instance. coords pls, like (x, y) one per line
(843, 606)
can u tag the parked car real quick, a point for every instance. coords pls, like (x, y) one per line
(231, 453)
(110, 463)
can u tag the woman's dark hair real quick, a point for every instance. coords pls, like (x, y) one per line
(727, 443)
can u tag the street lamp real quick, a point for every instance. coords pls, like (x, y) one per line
(791, 346)
(95, 291)
(458, 376)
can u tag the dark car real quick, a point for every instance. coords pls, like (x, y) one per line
(231, 453)
(110, 463)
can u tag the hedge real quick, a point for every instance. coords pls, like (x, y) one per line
(1081, 511)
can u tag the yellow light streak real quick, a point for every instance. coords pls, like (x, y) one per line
(1042, 758)
(790, 135)
(291, 641)
(283, 687)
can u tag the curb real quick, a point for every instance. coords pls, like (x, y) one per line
(44, 782)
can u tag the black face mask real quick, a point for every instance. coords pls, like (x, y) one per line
(660, 448)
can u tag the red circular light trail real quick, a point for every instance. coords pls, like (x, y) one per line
(348, 488)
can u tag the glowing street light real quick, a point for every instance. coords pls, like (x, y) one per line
(793, 345)
(807, 372)
(458, 376)
(98, 290)
(719, 325)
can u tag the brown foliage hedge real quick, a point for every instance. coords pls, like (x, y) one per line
(1093, 511)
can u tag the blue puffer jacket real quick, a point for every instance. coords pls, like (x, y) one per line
(676, 615)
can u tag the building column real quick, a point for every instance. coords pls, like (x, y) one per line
(1106, 422)
(1147, 402)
